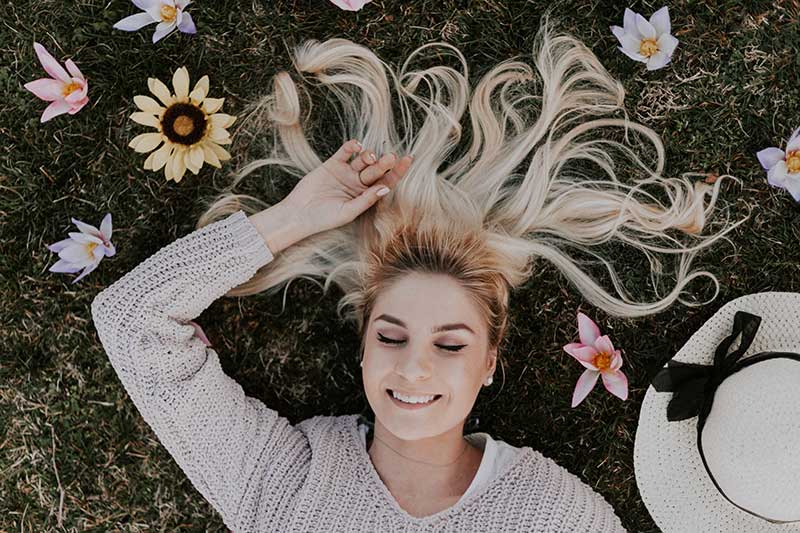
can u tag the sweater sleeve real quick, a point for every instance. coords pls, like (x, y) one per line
(231, 446)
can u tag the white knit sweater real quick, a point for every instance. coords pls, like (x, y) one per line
(256, 469)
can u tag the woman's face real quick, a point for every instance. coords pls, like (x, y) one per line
(452, 363)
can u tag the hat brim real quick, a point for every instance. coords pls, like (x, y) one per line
(670, 475)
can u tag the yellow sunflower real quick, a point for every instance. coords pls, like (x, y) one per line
(188, 124)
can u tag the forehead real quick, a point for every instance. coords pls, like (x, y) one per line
(425, 300)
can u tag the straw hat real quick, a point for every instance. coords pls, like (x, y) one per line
(718, 442)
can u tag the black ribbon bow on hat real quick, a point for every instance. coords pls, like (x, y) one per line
(693, 386)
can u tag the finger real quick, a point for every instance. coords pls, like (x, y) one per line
(346, 150)
(363, 160)
(398, 172)
(376, 171)
(362, 202)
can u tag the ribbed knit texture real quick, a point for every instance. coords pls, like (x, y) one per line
(256, 469)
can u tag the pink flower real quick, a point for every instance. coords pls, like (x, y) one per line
(350, 5)
(84, 249)
(65, 91)
(199, 333)
(783, 168)
(598, 355)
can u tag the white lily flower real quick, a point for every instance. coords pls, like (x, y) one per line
(169, 14)
(646, 41)
(783, 168)
(84, 249)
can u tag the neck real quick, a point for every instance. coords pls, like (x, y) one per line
(436, 467)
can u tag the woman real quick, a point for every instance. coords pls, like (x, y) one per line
(426, 275)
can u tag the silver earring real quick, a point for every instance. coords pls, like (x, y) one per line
(489, 381)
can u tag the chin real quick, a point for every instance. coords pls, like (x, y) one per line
(414, 424)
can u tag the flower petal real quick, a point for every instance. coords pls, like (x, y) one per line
(212, 105)
(618, 32)
(180, 82)
(134, 22)
(793, 186)
(584, 354)
(219, 135)
(77, 254)
(768, 157)
(145, 142)
(616, 383)
(144, 4)
(162, 30)
(667, 44)
(604, 345)
(657, 60)
(73, 69)
(85, 228)
(794, 141)
(660, 20)
(777, 174)
(158, 88)
(105, 228)
(221, 120)
(200, 90)
(46, 89)
(616, 361)
(84, 238)
(210, 157)
(199, 333)
(51, 66)
(587, 330)
(60, 245)
(57, 107)
(195, 159)
(65, 267)
(86, 271)
(147, 104)
(220, 152)
(629, 23)
(633, 55)
(645, 28)
(161, 156)
(145, 119)
(186, 25)
(584, 386)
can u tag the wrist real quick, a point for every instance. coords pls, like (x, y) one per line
(279, 226)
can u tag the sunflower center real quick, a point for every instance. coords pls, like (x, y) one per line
(648, 47)
(793, 161)
(70, 88)
(184, 123)
(168, 13)
(602, 361)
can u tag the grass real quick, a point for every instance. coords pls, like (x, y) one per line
(75, 454)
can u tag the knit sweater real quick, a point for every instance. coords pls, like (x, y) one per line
(255, 468)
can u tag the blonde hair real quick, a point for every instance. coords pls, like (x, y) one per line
(480, 214)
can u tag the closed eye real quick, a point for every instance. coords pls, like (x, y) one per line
(449, 348)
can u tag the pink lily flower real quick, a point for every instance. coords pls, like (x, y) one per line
(350, 5)
(67, 92)
(598, 356)
(84, 249)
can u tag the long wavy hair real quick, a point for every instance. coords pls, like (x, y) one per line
(531, 174)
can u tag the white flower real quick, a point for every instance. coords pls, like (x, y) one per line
(84, 249)
(648, 42)
(169, 14)
(783, 168)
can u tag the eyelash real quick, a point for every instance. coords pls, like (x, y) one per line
(386, 340)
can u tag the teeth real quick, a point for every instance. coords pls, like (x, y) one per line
(412, 399)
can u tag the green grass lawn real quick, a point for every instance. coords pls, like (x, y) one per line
(75, 454)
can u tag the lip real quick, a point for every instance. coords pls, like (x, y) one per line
(412, 406)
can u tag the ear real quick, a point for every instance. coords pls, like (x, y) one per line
(492, 360)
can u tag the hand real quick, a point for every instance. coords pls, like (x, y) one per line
(335, 193)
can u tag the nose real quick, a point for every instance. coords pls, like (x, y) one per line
(415, 366)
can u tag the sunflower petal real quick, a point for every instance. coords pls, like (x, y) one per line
(219, 135)
(210, 156)
(145, 142)
(195, 158)
(147, 104)
(161, 156)
(200, 91)
(220, 152)
(180, 82)
(145, 119)
(221, 120)
(161, 91)
(212, 105)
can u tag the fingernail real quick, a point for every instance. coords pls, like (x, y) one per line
(371, 158)
(383, 190)
(360, 146)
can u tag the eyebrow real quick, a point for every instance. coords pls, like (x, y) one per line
(436, 329)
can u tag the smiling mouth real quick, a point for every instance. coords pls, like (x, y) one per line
(409, 405)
